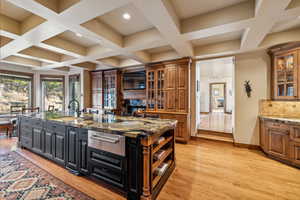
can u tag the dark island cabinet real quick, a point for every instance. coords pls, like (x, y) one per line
(82, 151)
(37, 140)
(71, 148)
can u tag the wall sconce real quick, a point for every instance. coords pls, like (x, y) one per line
(248, 88)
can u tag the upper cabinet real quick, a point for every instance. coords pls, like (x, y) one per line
(106, 89)
(97, 82)
(167, 86)
(286, 72)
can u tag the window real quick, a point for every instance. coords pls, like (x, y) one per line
(15, 90)
(52, 88)
(74, 89)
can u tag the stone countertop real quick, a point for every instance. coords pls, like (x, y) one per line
(131, 126)
(284, 119)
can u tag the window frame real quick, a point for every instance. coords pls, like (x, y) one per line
(31, 75)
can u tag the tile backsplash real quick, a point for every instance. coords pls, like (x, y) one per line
(279, 108)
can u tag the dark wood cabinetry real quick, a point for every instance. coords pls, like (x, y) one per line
(168, 93)
(286, 71)
(82, 151)
(280, 141)
(71, 148)
(67, 146)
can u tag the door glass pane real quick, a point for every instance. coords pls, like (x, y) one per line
(290, 90)
(281, 90)
(53, 94)
(74, 90)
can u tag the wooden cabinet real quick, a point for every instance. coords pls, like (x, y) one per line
(286, 72)
(168, 93)
(277, 142)
(280, 140)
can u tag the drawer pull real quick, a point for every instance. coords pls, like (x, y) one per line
(105, 139)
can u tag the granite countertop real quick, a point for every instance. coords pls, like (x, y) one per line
(110, 123)
(281, 118)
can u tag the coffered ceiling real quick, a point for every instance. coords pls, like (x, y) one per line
(92, 34)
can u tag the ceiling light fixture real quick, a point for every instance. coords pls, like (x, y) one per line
(78, 35)
(126, 16)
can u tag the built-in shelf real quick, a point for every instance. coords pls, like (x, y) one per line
(163, 158)
(159, 146)
(157, 178)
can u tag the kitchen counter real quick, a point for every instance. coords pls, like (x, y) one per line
(283, 119)
(131, 126)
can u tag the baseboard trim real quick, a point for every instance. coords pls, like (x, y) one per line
(217, 133)
(247, 146)
(204, 113)
(196, 138)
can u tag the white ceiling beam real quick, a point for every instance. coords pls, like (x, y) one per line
(265, 14)
(162, 16)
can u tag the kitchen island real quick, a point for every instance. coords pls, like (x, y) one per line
(133, 155)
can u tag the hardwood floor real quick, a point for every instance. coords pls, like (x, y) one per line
(205, 170)
(216, 121)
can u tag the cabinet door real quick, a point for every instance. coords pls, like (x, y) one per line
(71, 148)
(277, 142)
(48, 151)
(295, 152)
(82, 152)
(285, 74)
(295, 134)
(58, 147)
(151, 99)
(37, 141)
(262, 135)
(170, 88)
(182, 88)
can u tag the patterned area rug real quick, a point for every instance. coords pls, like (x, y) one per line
(21, 179)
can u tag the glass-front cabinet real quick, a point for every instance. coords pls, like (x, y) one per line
(110, 90)
(285, 74)
(151, 77)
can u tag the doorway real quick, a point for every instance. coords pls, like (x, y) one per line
(217, 97)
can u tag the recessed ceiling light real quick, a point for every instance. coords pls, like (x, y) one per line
(126, 16)
(78, 35)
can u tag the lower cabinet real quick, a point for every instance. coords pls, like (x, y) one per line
(58, 147)
(281, 141)
(278, 142)
(108, 167)
(71, 148)
(182, 131)
(37, 140)
(48, 152)
(82, 151)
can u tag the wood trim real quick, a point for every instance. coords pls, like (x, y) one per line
(146, 195)
(247, 146)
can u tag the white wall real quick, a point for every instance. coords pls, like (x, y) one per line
(255, 67)
(216, 71)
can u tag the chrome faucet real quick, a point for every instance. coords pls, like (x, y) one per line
(77, 111)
